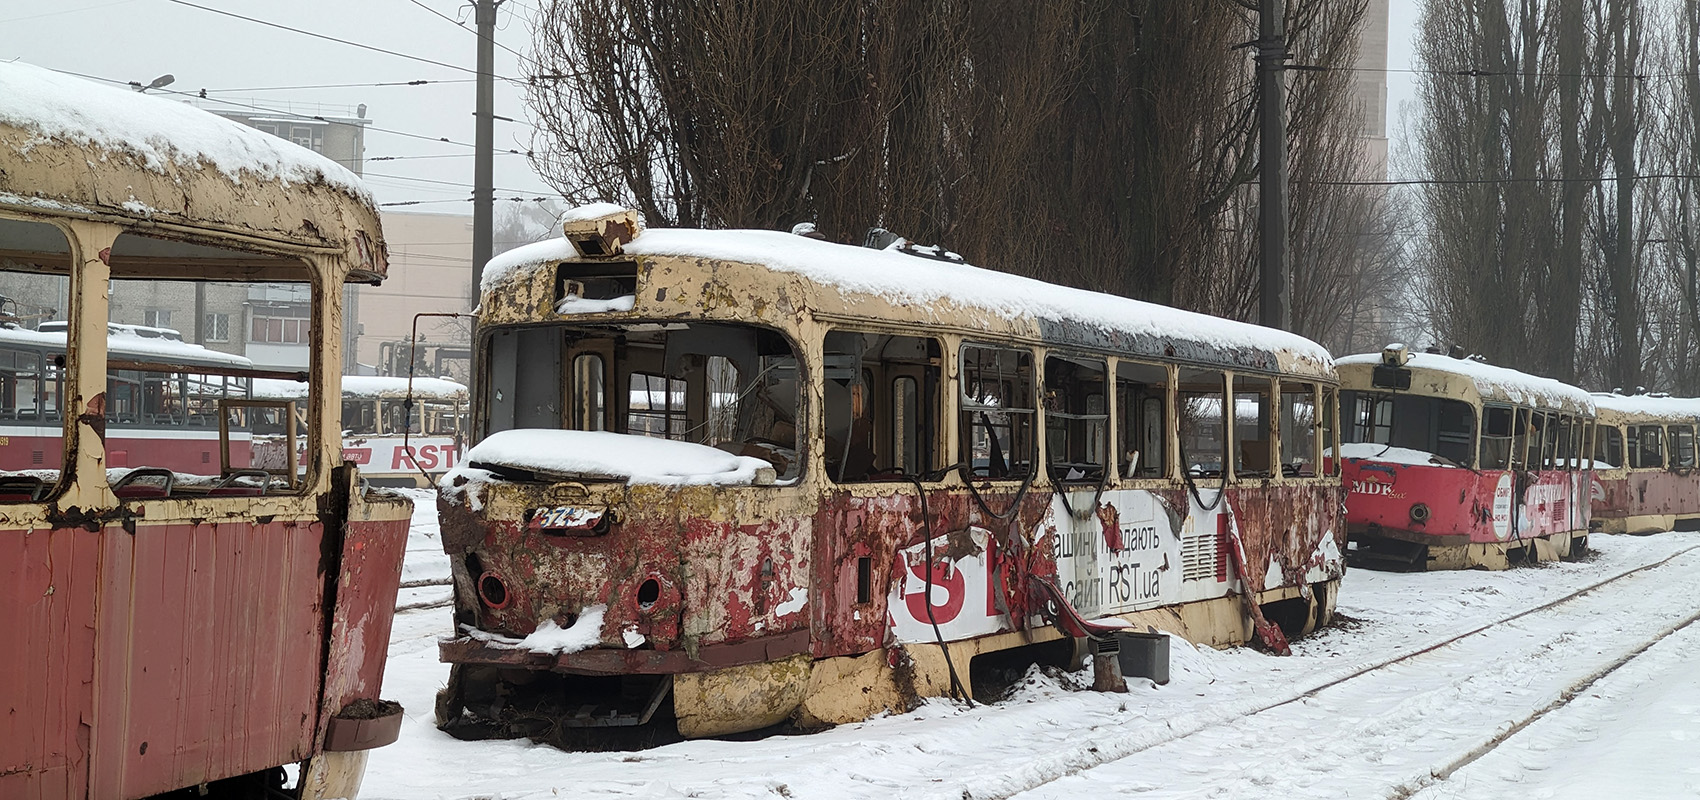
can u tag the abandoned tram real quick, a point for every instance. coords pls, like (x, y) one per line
(1452, 463)
(1645, 475)
(180, 616)
(726, 479)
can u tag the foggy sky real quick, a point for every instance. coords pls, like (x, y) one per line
(138, 40)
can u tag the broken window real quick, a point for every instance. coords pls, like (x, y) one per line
(1298, 430)
(882, 401)
(1142, 395)
(1201, 403)
(1608, 447)
(1682, 446)
(997, 412)
(1522, 431)
(729, 386)
(1077, 420)
(1331, 429)
(35, 261)
(1646, 447)
(1253, 432)
(1496, 437)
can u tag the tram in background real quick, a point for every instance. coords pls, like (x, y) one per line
(1452, 463)
(170, 414)
(1645, 476)
(731, 478)
(194, 624)
(394, 443)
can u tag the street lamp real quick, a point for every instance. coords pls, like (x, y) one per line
(163, 80)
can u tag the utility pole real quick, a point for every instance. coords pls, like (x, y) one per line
(483, 140)
(1276, 279)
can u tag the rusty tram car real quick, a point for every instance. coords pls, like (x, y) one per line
(1452, 463)
(726, 479)
(184, 626)
(1645, 476)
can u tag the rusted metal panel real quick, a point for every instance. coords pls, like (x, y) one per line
(48, 583)
(367, 579)
(177, 704)
(1461, 505)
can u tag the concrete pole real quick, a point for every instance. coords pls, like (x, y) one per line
(1276, 278)
(483, 170)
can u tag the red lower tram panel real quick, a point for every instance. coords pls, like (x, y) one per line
(1415, 516)
(143, 658)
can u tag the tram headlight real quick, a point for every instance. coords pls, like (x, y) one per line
(1419, 512)
(493, 591)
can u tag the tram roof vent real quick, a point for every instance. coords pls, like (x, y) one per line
(1395, 355)
(600, 229)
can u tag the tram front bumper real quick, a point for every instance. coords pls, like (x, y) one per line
(608, 661)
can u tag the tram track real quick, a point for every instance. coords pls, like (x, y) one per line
(1115, 746)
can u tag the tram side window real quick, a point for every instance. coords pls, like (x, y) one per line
(188, 324)
(360, 416)
(1497, 437)
(1298, 429)
(1682, 446)
(1521, 431)
(1202, 408)
(1608, 447)
(1253, 433)
(881, 405)
(34, 291)
(1142, 394)
(997, 412)
(1330, 429)
(1077, 420)
(656, 407)
(1646, 447)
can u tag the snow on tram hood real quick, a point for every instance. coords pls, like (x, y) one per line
(909, 280)
(598, 455)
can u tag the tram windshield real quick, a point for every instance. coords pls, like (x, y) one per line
(729, 386)
(1434, 425)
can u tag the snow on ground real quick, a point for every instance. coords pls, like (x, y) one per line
(1377, 735)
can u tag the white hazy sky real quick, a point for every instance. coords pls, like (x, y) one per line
(237, 60)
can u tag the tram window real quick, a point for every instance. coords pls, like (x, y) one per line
(1433, 425)
(1077, 421)
(1142, 394)
(1330, 429)
(1369, 417)
(1646, 447)
(997, 412)
(1298, 429)
(881, 405)
(1252, 427)
(1682, 447)
(730, 386)
(1497, 437)
(360, 417)
(657, 407)
(590, 404)
(34, 290)
(1202, 408)
(1520, 437)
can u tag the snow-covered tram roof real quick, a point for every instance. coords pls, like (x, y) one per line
(843, 281)
(71, 146)
(123, 344)
(366, 387)
(1618, 409)
(1466, 379)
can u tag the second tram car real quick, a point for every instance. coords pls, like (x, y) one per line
(1645, 476)
(1453, 463)
(393, 442)
(730, 478)
(178, 621)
